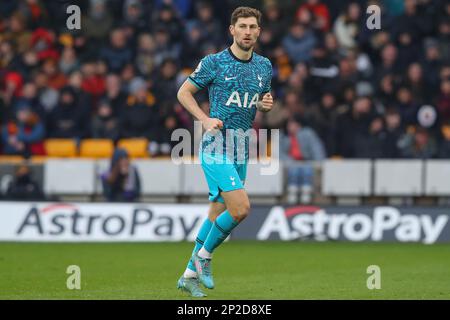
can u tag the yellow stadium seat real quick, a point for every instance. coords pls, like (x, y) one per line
(60, 148)
(38, 159)
(7, 159)
(96, 148)
(136, 148)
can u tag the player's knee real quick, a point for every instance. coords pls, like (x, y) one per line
(243, 210)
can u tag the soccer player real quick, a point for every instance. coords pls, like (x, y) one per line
(239, 84)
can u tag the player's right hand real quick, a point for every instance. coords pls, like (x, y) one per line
(212, 124)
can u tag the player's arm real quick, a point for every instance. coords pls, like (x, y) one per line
(266, 103)
(185, 96)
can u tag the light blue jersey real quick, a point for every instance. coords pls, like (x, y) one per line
(235, 86)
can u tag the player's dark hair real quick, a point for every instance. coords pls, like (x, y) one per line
(245, 12)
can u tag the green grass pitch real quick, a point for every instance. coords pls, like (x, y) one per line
(242, 270)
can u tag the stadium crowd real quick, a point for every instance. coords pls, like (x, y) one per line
(353, 92)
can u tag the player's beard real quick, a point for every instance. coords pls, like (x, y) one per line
(245, 47)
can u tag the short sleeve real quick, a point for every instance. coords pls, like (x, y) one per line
(204, 74)
(268, 83)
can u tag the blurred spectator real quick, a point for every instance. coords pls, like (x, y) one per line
(416, 83)
(299, 43)
(193, 44)
(372, 143)
(93, 82)
(121, 183)
(431, 64)
(394, 132)
(273, 21)
(69, 61)
(346, 26)
(145, 60)
(165, 46)
(114, 93)
(323, 119)
(167, 19)
(319, 11)
(43, 42)
(418, 144)
(23, 187)
(406, 106)
(165, 86)
(117, 54)
(444, 150)
(98, 21)
(171, 123)
(209, 27)
(48, 97)
(407, 48)
(443, 101)
(140, 117)
(134, 15)
(300, 143)
(386, 91)
(68, 119)
(55, 78)
(105, 124)
(352, 128)
(24, 135)
(389, 63)
(444, 39)
(18, 34)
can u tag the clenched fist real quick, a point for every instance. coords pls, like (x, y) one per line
(212, 124)
(265, 105)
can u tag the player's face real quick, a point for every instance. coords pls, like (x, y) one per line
(245, 32)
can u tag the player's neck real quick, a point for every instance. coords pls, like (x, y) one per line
(241, 54)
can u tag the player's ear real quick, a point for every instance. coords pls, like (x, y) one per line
(231, 28)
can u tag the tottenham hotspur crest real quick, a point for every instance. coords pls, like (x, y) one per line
(260, 81)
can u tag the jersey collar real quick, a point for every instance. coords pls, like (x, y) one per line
(236, 58)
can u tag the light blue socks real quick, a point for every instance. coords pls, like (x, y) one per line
(199, 241)
(220, 230)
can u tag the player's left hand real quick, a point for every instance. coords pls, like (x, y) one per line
(265, 105)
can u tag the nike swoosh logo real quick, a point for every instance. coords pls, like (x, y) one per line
(226, 78)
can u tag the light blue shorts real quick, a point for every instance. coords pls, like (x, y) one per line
(222, 175)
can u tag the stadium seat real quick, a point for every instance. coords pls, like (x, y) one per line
(136, 148)
(60, 148)
(96, 148)
(7, 159)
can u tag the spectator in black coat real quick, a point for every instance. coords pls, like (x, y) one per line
(68, 119)
(105, 124)
(394, 132)
(352, 127)
(140, 117)
(118, 53)
(23, 187)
